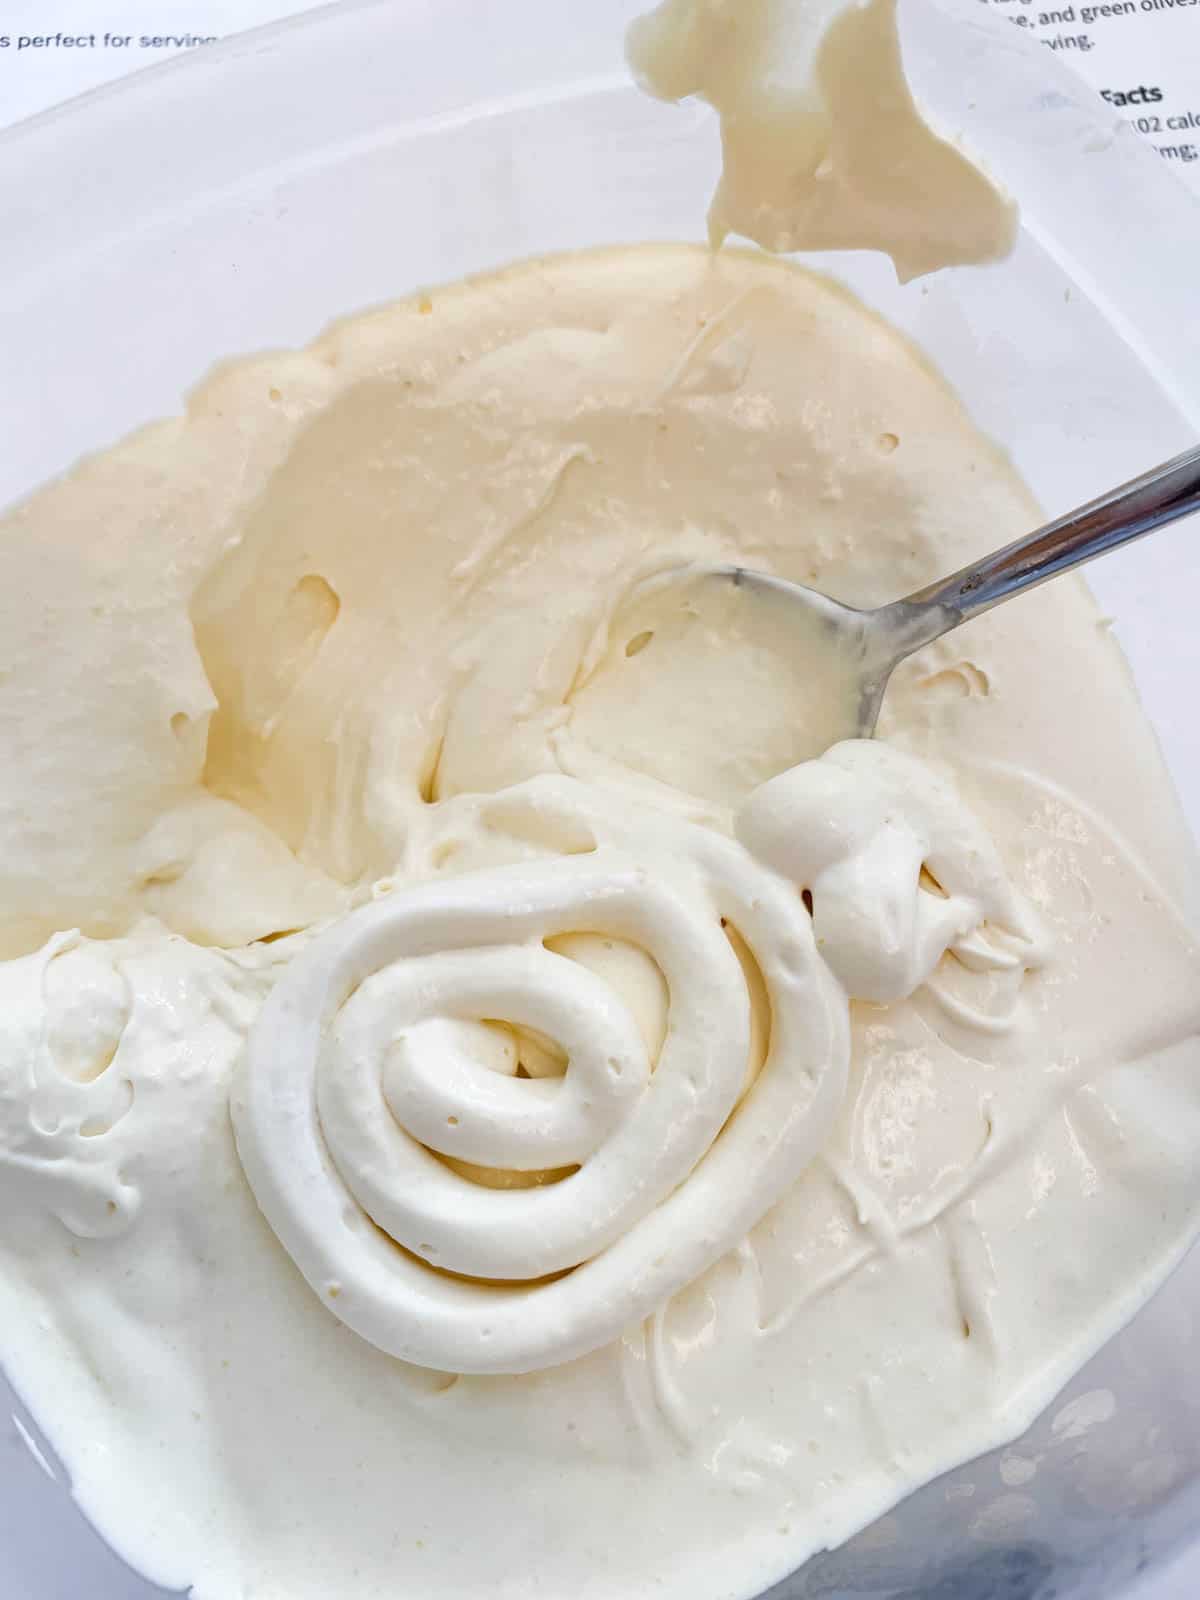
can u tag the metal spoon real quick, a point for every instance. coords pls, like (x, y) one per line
(856, 651)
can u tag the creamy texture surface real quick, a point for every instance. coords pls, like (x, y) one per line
(371, 800)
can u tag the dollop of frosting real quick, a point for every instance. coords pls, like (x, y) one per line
(898, 869)
(379, 1082)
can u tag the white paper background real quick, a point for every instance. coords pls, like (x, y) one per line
(1142, 55)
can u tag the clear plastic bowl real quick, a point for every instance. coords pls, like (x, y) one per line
(246, 195)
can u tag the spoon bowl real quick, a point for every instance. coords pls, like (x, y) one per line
(845, 656)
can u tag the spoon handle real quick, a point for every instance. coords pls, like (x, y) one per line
(1162, 495)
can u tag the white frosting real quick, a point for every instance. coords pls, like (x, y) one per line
(361, 648)
(899, 872)
(355, 1085)
(59, 1112)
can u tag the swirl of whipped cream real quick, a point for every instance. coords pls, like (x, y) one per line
(366, 1067)
(377, 1085)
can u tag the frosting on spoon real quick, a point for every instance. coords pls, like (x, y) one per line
(824, 146)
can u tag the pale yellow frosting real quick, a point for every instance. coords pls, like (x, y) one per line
(823, 146)
(360, 647)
